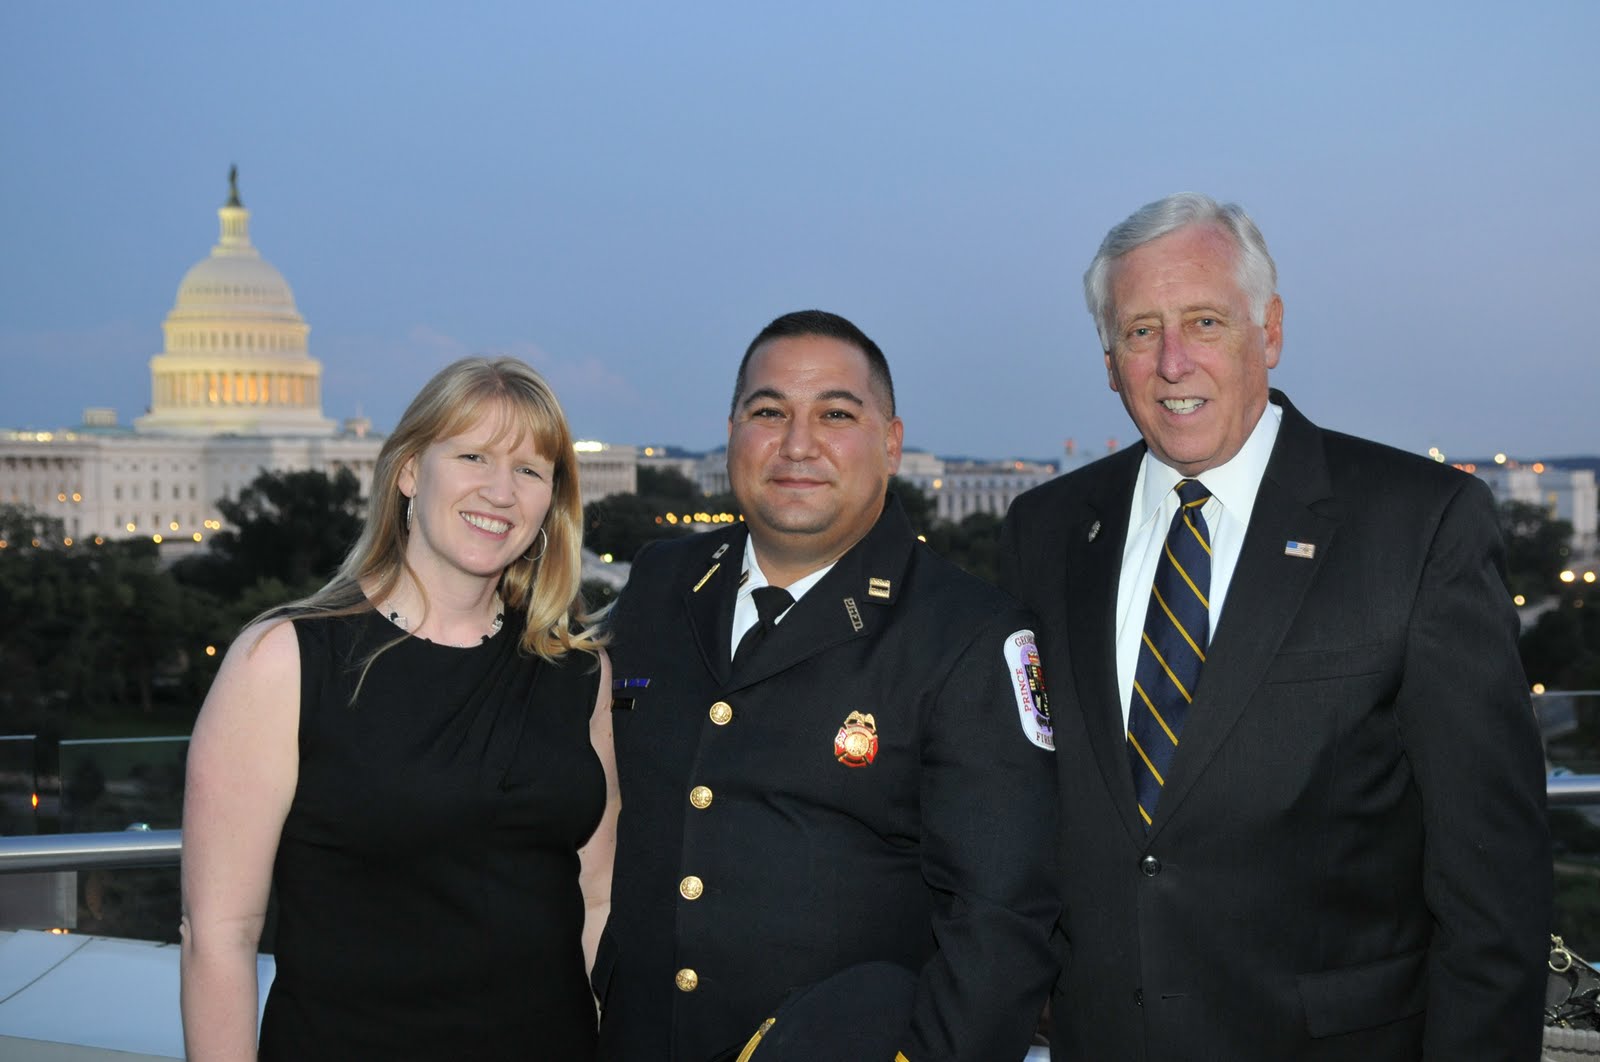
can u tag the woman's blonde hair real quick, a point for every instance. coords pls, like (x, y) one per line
(544, 584)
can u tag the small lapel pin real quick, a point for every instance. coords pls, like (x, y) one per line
(1094, 530)
(720, 551)
(854, 614)
(1299, 549)
(877, 587)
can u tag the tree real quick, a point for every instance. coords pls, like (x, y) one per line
(973, 544)
(1562, 651)
(918, 506)
(89, 629)
(622, 523)
(1537, 548)
(294, 527)
(667, 484)
(21, 525)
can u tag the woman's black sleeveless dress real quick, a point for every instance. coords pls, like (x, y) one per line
(427, 875)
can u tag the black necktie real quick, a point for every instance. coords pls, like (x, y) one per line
(771, 602)
(1177, 627)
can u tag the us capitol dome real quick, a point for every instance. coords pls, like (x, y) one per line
(235, 359)
(234, 393)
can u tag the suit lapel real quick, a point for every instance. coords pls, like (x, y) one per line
(849, 602)
(1093, 549)
(708, 600)
(1293, 504)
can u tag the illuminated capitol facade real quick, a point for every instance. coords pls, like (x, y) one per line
(234, 392)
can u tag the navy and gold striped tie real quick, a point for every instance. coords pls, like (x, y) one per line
(1177, 627)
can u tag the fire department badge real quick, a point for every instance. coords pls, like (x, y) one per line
(856, 743)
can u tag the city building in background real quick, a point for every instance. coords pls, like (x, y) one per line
(959, 488)
(707, 471)
(233, 393)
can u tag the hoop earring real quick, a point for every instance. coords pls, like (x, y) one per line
(410, 502)
(544, 544)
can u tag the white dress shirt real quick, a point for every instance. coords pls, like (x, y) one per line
(1233, 487)
(745, 615)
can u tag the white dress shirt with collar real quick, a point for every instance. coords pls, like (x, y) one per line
(745, 615)
(1233, 487)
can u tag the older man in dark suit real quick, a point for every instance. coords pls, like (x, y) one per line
(1302, 802)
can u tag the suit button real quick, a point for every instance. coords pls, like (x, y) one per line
(686, 980)
(1150, 866)
(700, 797)
(691, 887)
(721, 712)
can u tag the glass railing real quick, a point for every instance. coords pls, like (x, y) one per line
(93, 845)
(62, 794)
(19, 785)
(1570, 723)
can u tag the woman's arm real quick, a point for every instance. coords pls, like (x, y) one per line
(242, 768)
(594, 874)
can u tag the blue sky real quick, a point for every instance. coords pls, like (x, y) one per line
(624, 193)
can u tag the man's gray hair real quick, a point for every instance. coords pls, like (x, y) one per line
(1255, 271)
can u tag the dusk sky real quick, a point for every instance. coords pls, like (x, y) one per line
(623, 194)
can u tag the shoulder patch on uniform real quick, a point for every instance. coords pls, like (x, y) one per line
(1027, 682)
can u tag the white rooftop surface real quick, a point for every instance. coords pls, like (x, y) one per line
(69, 998)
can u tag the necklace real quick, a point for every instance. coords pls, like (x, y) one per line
(399, 620)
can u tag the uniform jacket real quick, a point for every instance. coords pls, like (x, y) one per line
(1350, 858)
(934, 851)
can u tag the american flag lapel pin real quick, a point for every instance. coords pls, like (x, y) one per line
(1292, 548)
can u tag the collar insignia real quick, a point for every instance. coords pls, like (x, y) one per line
(709, 573)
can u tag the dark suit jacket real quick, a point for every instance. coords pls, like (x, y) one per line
(1350, 858)
(935, 854)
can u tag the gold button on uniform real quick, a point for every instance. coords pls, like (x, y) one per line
(700, 797)
(687, 980)
(721, 712)
(691, 887)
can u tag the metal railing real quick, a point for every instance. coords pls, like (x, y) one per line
(133, 847)
(1572, 790)
(142, 847)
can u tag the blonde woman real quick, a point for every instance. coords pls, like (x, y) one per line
(418, 757)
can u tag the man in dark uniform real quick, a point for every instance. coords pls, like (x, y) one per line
(854, 768)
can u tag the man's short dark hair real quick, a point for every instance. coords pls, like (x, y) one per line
(819, 323)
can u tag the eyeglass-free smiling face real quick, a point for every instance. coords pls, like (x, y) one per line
(811, 447)
(1187, 358)
(479, 498)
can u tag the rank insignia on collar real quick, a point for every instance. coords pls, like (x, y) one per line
(709, 573)
(720, 551)
(877, 587)
(1094, 530)
(856, 743)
